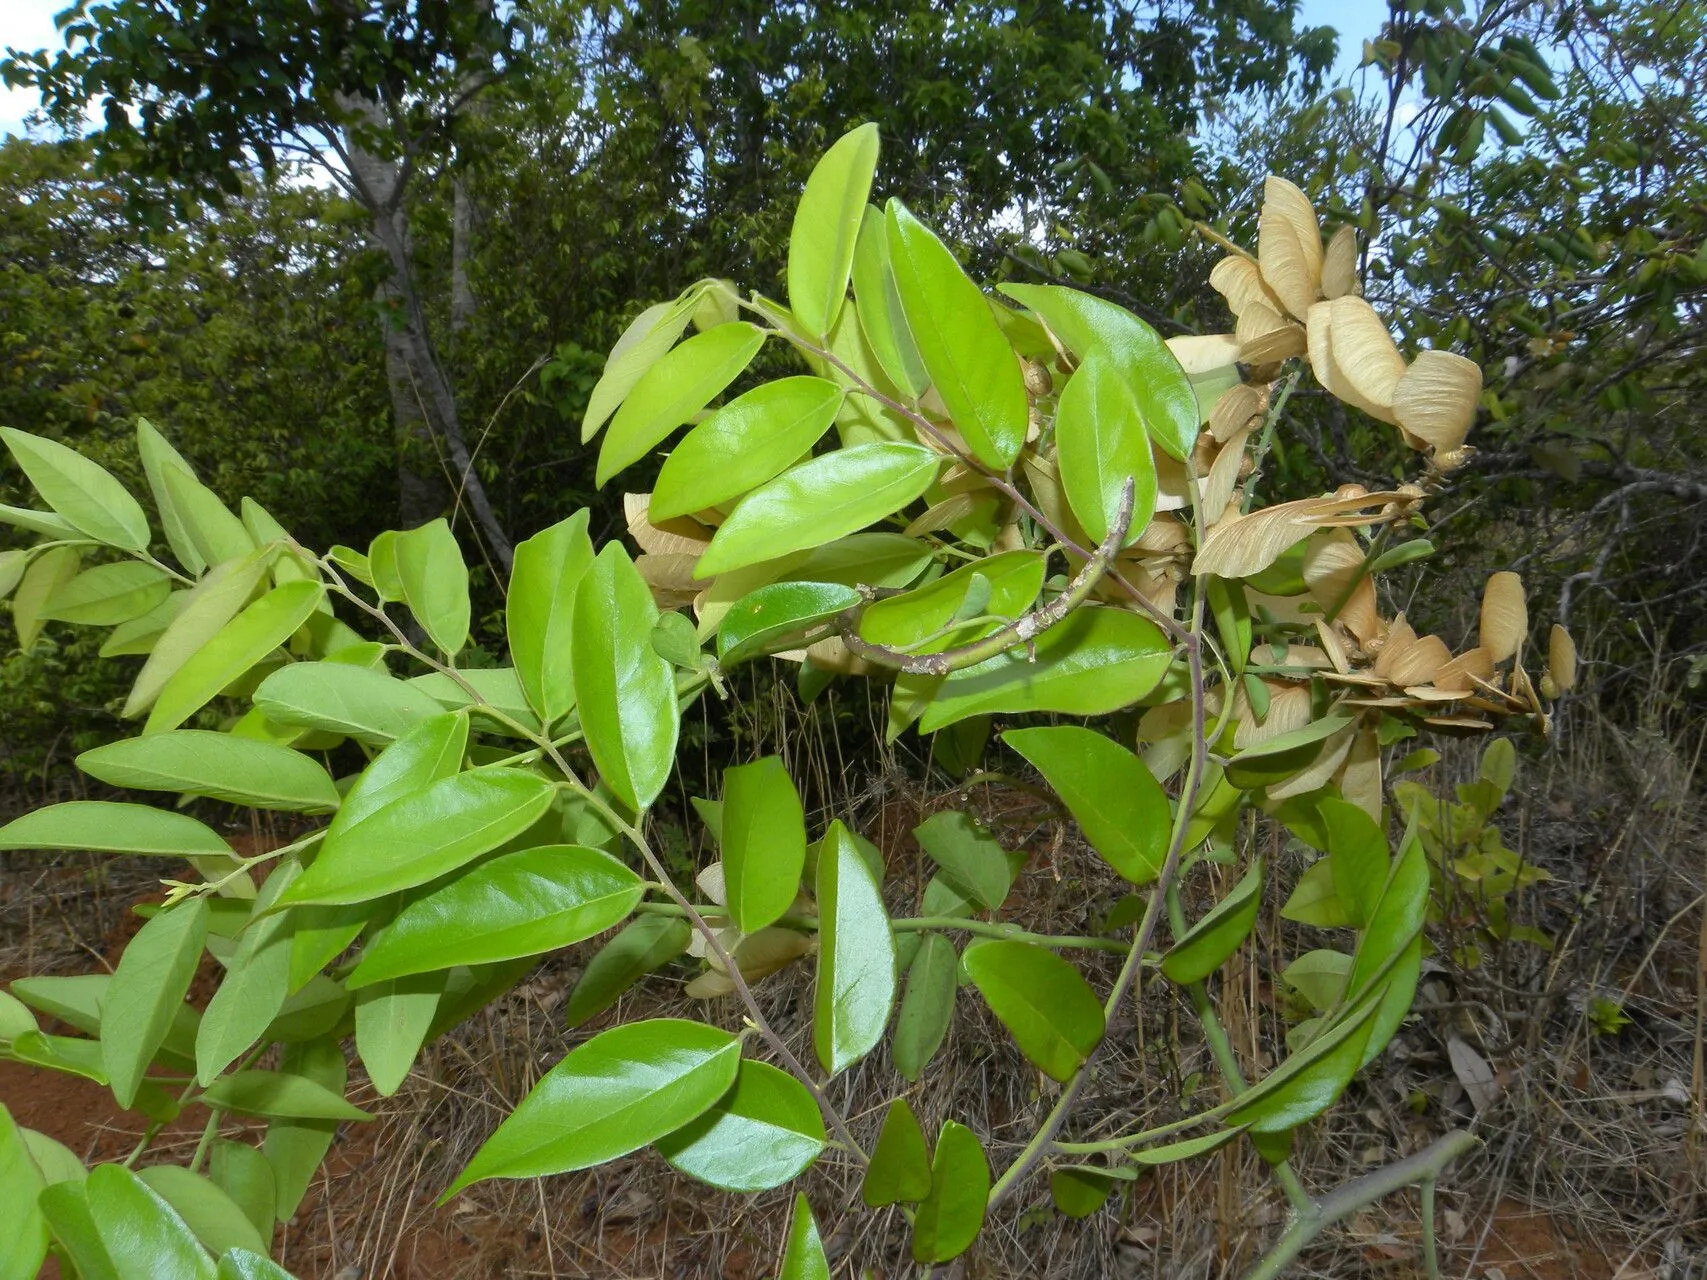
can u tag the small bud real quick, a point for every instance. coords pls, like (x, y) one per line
(1037, 379)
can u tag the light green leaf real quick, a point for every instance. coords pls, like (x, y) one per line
(244, 641)
(211, 603)
(1357, 858)
(422, 836)
(880, 314)
(803, 1256)
(53, 1159)
(1389, 953)
(216, 534)
(65, 1205)
(392, 1020)
(240, 1264)
(242, 771)
(105, 826)
(13, 564)
(336, 697)
(972, 861)
(107, 595)
(1204, 948)
(764, 1131)
(763, 842)
(47, 573)
(1319, 976)
(429, 752)
(621, 1090)
(826, 228)
(625, 694)
(82, 491)
(950, 1217)
(644, 945)
(147, 989)
(519, 904)
(497, 691)
(316, 1010)
(1187, 1149)
(1100, 444)
(856, 955)
(1052, 1012)
(776, 611)
(382, 566)
(1013, 579)
(969, 360)
(1308, 1082)
(540, 609)
(141, 1234)
(1118, 804)
(750, 440)
(819, 501)
(43, 522)
(294, 1148)
(434, 580)
(157, 456)
(1313, 900)
(255, 986)
(651, 333)
(214, 1217)
(279, 1095)
(23, 1229)
(138, 637)
(244, 1174)
(75, 1000)
(673, 390)
(927, 1006)
(900, 1167)
(1078, 1191)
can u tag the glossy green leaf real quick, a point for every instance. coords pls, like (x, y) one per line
(279, 1095)
(255, 986)
(142, 1235)
(826, 228)
(652, 333)
(763, 842)
(241, 1264)
(971, 859)
(540, 610)
(900, 1167)
(65, 1205)
(67, 1054)
(382, 566)
(1313, 900)
(880, 313)
(1097, 661)
(393, 1016)
(1078, 1192)
(429, 752)
(1357, 858)
(1118, 804)
(49, 571)
(147, 988)
(673, 390)
(625, 694)
(1012, 580)
(1205, 947)
(242, 1172)
(157, 457)
(82, 491)
(763, 1132)
(1308, 1082)
(776, 611)
(519, 904)
(1185, 1149)
(1100, 444)
(295, 1148)
(336, 697)
(434, 579)
(107, 595)
(927, 1006)
(962, 347)
(1389, 953)
(950, 1217)
(422, 836)
(1052, 1013)
(241, 771)
(818, 501)
(1088, 325)
(643, 946)
(319, 935)
(212, 603)
(752, 439)
(213, 1217)
(803, 1256)
(227, 656)
(23, 1229)
(620, 1091)
(856, 955)
(106, 826)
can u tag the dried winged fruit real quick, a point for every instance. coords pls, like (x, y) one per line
(1234, 410)
(1289, 246)
(1339, 265)
(1239, 280)
(1505, 616)
(1364, 352)
(1436, 400)
(1561, 660)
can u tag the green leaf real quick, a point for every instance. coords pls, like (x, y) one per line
(625, 694)
(927, 1006)
(1078, 1192)
(107, 595)
(880, 314)
(1357, 858)
(241, 771)
(62, 1053)
(242, 1172)
(900, 1167)
(1012, 578)
(673, 390)
(147, 989)
(1313, 900)
(23, 1230)
(497, 692)
(752, 439)
(1308, 1082)
(969, 360)
(820, 500)
(1319, 976)
(210, 604)
(227, 656)
(216, 534)
(393, 1017)
(647, 944)
(240, 1264)
(53, 1159)
(430, 752)
(142, 1234)
(650, 334)
(279, 1095)
(434, 580)
(540, 610)
(519, 904)
(66, 1208)
(1088, 325)
(48, 572)
(138, 637)
(82, 491)
(316, 1010)
(13, 563)
(294, 1148)
(778, 610)
(950, 1217)
(1100, 444)
(763, 842)
(43, 522)
(75, 1001)
(1186, 1149)
(1117, 803)
(761, 1133)
(621, 1090)
(255, 986)
(336, 697)
(1204, 947)
(106, 826)
(1390, 950)
(214, 1217)
(382, 566)
(1053, 1014)
(803, 1256)
(826, 228)
(856, 955)
(422, 836)
(1097, 661)
(1232, 610)
(971, 859)
(157, 457)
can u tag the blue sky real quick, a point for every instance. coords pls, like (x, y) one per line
(28, 25)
